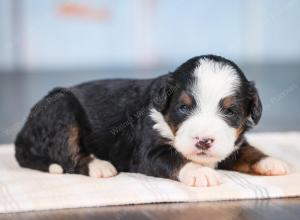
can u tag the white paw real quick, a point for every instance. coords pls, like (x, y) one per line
(55, 168)
(101, 169)
(193, 174)
(270, 166)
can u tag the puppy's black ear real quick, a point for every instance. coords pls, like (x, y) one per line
(255, 104)
(163, 89)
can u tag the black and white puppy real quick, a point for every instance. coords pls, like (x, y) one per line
(182, 125)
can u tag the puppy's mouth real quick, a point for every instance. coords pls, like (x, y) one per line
(204, 158)
(206, 153)
(203, 153)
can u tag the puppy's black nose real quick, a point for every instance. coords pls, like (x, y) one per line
(204, 143)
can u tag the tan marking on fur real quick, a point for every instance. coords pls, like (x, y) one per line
(173, 127)
(245, 168)
(186, 99)
(239, 131)
(73, 144)
(248, 156)
(255, 162)
(228, 102)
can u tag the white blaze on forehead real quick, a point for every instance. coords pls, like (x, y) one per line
(213, 81)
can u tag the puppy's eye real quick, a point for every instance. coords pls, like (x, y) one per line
(184, 109)
(229, 112)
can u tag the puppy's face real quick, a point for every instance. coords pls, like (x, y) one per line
(209, 109)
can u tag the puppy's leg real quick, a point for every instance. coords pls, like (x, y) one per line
(67, 157)
(270, 166)
(52, 138)
(165, 161)
(193, 174)
(250, 160)
(80, 162)
(101, 168)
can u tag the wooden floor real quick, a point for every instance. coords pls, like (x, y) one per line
(273, 209)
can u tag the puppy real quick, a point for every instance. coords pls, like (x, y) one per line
(183, 126)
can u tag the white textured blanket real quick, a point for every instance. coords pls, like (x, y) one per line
(25, 190)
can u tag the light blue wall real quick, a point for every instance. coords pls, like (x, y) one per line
(6, 43)
(153, 32)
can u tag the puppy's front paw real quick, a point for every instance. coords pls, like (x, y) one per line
(193, 174)
(270, 166)
(101, 169)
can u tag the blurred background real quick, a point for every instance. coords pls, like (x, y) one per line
(51, 43)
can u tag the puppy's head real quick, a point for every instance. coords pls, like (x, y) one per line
(204, 107)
